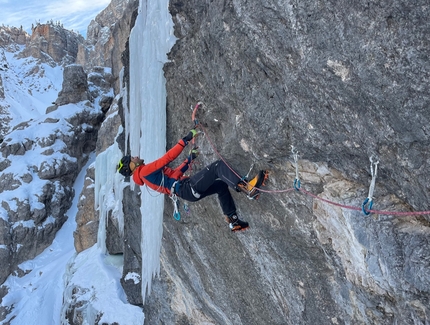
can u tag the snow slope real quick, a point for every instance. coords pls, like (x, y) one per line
(29, 88)
(38, 297)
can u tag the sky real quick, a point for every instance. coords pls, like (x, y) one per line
(73, 14)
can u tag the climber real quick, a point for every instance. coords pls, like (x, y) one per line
(213, 179)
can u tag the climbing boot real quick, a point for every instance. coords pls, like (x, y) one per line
(236, 224)
(251, 187)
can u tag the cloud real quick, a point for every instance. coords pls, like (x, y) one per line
(73, 14)
(68, 7)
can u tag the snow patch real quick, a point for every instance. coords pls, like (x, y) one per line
(132, 276)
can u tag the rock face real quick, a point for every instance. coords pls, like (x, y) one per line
(341, 83)
(52, 42)
(11, 37)
(106, 37)
(1, 89)
(100, 81)
(29, 225)
(75, 86)
(87, 219)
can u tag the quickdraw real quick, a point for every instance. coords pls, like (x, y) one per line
(296, 183)
(369, 199)
(176, 213)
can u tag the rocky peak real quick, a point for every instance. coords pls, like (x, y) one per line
(12, 36)
(51, 43)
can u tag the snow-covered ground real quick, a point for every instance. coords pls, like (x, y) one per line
(29, 88)
(38, 297)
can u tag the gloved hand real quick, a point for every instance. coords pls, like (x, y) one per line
(194, 153)
(190, 136)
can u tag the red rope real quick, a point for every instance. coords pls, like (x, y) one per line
(394, 213)
(400, 213)
(330, 202)
(349, 207)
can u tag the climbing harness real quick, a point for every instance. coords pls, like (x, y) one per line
(172, 196)
(369, 199)
(157, 190)
(296, 183)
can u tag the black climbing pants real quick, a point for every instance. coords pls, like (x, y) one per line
(213, 179)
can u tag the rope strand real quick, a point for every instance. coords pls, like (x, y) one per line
(394, 213)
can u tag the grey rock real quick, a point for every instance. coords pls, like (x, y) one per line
(101, 79)
(4, 163)
(87, 218)
(51, 120)
(9, 182)
(57, 168)
(75, 86)
(1, 88)
(114, 236)
(79, 306)
(53, 44)
(34, 221)
(16, 148)
(132, 247)
(22, 125)
(108, 130)
(51, 108)
(105, 102)
(341, 83)
(10, 37)
(107, 36)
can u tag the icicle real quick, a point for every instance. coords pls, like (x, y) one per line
(150, 41)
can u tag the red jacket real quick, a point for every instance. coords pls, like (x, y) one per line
(157, 176)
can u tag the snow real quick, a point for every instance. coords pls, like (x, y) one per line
(28, 90)
(132, 276)
(42, 294)
(108, 191)
(37, 297)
